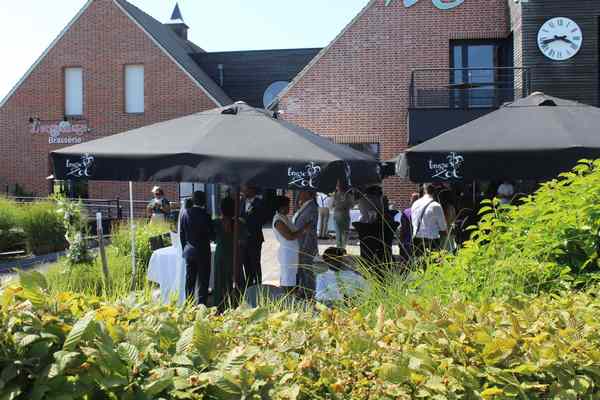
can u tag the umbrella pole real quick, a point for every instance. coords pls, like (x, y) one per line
(132, 226)
(236, 240)
(474, 194)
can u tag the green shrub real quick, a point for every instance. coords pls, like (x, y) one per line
(121, 240)
(75, 222)
(43, 227)
(11, 233)
(549, 242)
(75, 346)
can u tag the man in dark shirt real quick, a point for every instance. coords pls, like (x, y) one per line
(196, 233)
(254, 215)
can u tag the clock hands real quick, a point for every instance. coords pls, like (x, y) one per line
(556, 38)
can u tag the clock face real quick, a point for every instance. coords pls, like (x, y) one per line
(560, 38)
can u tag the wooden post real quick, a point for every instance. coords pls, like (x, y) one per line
(100, 233)
(132, 225)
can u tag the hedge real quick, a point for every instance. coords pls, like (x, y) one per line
(75, 347)
(38, 225)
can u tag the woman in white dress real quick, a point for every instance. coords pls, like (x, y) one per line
(287, 236)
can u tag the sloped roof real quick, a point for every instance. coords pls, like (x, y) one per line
(247, 74)
(179, 49)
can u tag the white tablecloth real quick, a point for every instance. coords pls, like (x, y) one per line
(167, 268)
(333, 286)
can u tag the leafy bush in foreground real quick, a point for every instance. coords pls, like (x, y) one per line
(549, 242)
(73, 347)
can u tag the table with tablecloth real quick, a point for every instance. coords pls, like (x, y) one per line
(167, 268)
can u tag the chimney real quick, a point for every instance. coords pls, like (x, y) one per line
(177, 24)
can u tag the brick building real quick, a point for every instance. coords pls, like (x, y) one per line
(115, 68)
(402, 71)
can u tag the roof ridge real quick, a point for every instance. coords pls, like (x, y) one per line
(264, 50)
(167, 40)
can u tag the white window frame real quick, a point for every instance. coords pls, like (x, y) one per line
(134, 88)
(74, 91)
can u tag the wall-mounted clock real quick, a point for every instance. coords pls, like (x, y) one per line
(560, 38)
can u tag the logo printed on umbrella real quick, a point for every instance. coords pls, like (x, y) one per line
(82, 168)
(306, 178)
(449, 169)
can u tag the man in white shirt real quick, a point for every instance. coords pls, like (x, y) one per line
(322, 200)
(428, 221)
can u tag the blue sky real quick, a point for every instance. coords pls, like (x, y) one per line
(28, 26)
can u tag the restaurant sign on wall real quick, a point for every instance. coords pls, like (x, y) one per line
(441, 4)
(60, 132)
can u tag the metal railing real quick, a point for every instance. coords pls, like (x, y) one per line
(467, 87)
(111, 209)
(472, 88)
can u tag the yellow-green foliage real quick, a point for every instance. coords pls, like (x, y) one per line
(73, 346)
(549, 242)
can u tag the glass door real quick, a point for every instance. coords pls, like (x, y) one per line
(474, 77)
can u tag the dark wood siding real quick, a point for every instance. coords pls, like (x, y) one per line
(247, 74)
(576, 78)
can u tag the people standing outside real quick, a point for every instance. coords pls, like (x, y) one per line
(506, 191)
(195, 235)
(342, 203)
(370, 205)
(253, 214)
(307, 216)
(447, 202)
(406, 231)
(288, 237)
(224, 269)
(322, 201)
(159, 207)
(428, 221)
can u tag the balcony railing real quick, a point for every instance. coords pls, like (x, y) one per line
(481, 88)
(467, 88)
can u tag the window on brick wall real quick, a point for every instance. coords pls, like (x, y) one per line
(73, 91)
(134, 89)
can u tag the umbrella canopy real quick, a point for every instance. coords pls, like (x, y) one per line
(233, 145)
(537, 137)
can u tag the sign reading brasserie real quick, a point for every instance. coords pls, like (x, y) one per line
(61, 132)
(441, 4)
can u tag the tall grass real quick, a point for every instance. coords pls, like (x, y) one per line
(121, 240)
(89, 279)
(11, 231)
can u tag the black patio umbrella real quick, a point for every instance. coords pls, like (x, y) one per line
(534, 138)
(234, 145)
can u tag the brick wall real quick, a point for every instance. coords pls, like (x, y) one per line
(360, 86)
(102, 41)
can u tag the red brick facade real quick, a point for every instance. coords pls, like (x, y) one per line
(358, 90)
(102, 41)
